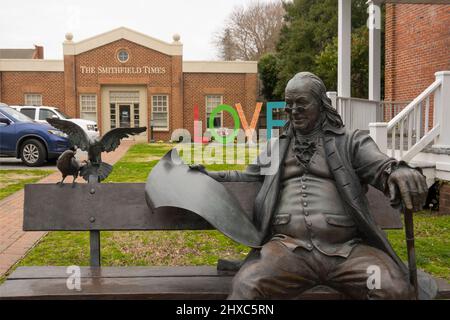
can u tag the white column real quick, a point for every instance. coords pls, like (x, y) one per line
(344, 47)
(374, 25)
(442, 110)
(378, 132)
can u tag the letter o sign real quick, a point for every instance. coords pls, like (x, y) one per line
(237, 123)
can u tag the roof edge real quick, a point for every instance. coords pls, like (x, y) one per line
(75, 48)
(31, 65)
(220, 66)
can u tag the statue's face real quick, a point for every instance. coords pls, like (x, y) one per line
(302, 107)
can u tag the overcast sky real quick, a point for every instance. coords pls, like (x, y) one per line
(45, 22)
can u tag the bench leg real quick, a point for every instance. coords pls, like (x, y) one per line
(95, 248)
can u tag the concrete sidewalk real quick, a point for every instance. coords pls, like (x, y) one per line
(14, 242)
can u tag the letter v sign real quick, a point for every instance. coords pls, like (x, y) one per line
(249, 129)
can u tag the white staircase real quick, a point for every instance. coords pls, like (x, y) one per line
(418, 138)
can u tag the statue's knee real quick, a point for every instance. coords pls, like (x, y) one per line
(245, 285)
(244, 290)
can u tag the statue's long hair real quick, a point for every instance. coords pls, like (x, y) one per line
(329, 115)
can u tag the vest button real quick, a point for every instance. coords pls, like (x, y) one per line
(306, 213)
(305, 204)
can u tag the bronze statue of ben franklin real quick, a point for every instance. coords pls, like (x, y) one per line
(314, 212)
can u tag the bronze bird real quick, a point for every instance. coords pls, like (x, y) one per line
(94, 168)
(68, 165)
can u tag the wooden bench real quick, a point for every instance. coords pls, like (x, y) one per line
(120, 207)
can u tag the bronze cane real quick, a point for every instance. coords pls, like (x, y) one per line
(409, 230)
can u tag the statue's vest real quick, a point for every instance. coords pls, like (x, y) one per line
(310, 212)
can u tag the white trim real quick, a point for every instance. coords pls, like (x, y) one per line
(74, 48)
(442, 73)
(220, 66)
(31, 65)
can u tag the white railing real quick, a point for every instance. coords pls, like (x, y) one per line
(424, 120)
(392, 108)
(358, 113)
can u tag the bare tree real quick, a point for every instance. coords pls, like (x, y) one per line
(250, 32)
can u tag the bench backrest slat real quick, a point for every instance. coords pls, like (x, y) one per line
(122, 206)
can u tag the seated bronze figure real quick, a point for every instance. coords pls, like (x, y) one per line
(313, 212)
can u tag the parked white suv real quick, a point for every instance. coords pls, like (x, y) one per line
(41, 113)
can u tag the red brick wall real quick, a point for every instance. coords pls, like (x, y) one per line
(139, 56)
(444, 199)
(15, 84)
(417, 46)
(235, 88)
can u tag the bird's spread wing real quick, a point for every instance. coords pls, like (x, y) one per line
(111, 140)
(76, 135)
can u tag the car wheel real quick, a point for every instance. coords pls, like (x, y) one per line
(33, 153)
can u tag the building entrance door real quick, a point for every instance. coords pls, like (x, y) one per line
(124, 115)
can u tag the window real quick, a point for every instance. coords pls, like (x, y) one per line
(29, 112)
(212, 102)
(88, 106)
(136, 114)
(112, 111)
(160, 112)
(33, 99)
(44, 114)
(122, 55)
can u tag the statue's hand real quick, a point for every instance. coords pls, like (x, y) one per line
(198, 167)
(409, 185)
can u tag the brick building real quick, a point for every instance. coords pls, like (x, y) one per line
(417, 46)
(125, 78)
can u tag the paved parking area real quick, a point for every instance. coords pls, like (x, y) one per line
(14, 242)
(17, 164)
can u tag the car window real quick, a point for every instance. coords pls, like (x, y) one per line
(45, 113)
(62, 115)
(29, 112)
(3, 116)
(16, 115)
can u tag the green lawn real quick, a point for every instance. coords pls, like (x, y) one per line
(204, 247)
(138, 248)
(14, 180)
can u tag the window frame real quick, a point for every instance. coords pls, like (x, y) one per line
(168, 112)
(96, 105)
(29, 94)
(42, 110)
(206, 109)
(123, 50)
(36, 111)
